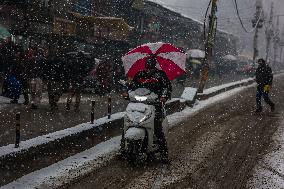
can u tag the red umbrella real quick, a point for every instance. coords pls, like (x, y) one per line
(169, 58)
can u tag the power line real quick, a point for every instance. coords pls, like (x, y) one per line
(242, 24)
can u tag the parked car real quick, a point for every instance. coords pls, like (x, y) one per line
(247, 68)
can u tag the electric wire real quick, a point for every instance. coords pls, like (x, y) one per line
(242, 24)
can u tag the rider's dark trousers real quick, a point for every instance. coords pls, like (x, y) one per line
(260, 93)
(162, 142)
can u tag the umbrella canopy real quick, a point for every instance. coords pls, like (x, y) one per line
(195, 53)
(169, 58)
(230, 57)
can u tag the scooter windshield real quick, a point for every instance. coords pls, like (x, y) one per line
(138, 112)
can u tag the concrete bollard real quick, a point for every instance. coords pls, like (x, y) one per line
(109, 107)
(18, 127)
(93, 112)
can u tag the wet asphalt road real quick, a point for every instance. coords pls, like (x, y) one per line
(40, 122)
(217, 148)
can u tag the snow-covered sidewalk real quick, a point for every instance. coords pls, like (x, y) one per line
(269, 173)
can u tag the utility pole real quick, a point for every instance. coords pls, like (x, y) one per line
(257, 22)
(282, 43)
(269, 32)
(209, 44)
(276, 41)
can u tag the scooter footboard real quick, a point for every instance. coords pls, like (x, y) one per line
(134, 133)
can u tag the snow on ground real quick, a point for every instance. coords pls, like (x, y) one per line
(69, 169)
(25, 145)
(4, 101)
(269, 173)
(87, 161)
(179, 117)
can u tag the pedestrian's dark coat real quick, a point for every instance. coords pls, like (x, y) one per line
(35, 66)
(264, 75)
(77, 68)
(12, 87)
(7, 54)
(54, 69)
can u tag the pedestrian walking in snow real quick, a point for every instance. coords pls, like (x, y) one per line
(77, 69)
(53, 76)
(104, 77)
(264, 78)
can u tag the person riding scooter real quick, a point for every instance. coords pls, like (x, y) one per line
(156, 81)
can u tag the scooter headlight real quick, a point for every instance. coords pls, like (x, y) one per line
(140, 98)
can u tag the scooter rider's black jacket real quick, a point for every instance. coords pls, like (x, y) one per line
(154, 80)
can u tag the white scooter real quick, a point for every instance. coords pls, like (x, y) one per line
(139, 139)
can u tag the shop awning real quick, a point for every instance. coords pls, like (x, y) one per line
(79, 17)
(117, 24)
(113, 23)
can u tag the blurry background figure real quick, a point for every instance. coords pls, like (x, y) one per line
(7, 57)
(36, 64)
(22, 74)
(53, 76)
(104, 77)
(117, 75)
(12, 86)
(77, 69)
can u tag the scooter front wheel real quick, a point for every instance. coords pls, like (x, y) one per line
(136, 152)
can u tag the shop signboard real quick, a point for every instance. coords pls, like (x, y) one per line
(138, 4)
(41, 28)
(64, 27)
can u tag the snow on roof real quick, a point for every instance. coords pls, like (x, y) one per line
(230, 57)
(163, 4)
(159, 2)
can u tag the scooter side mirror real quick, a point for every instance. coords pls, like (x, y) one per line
(122, 82)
